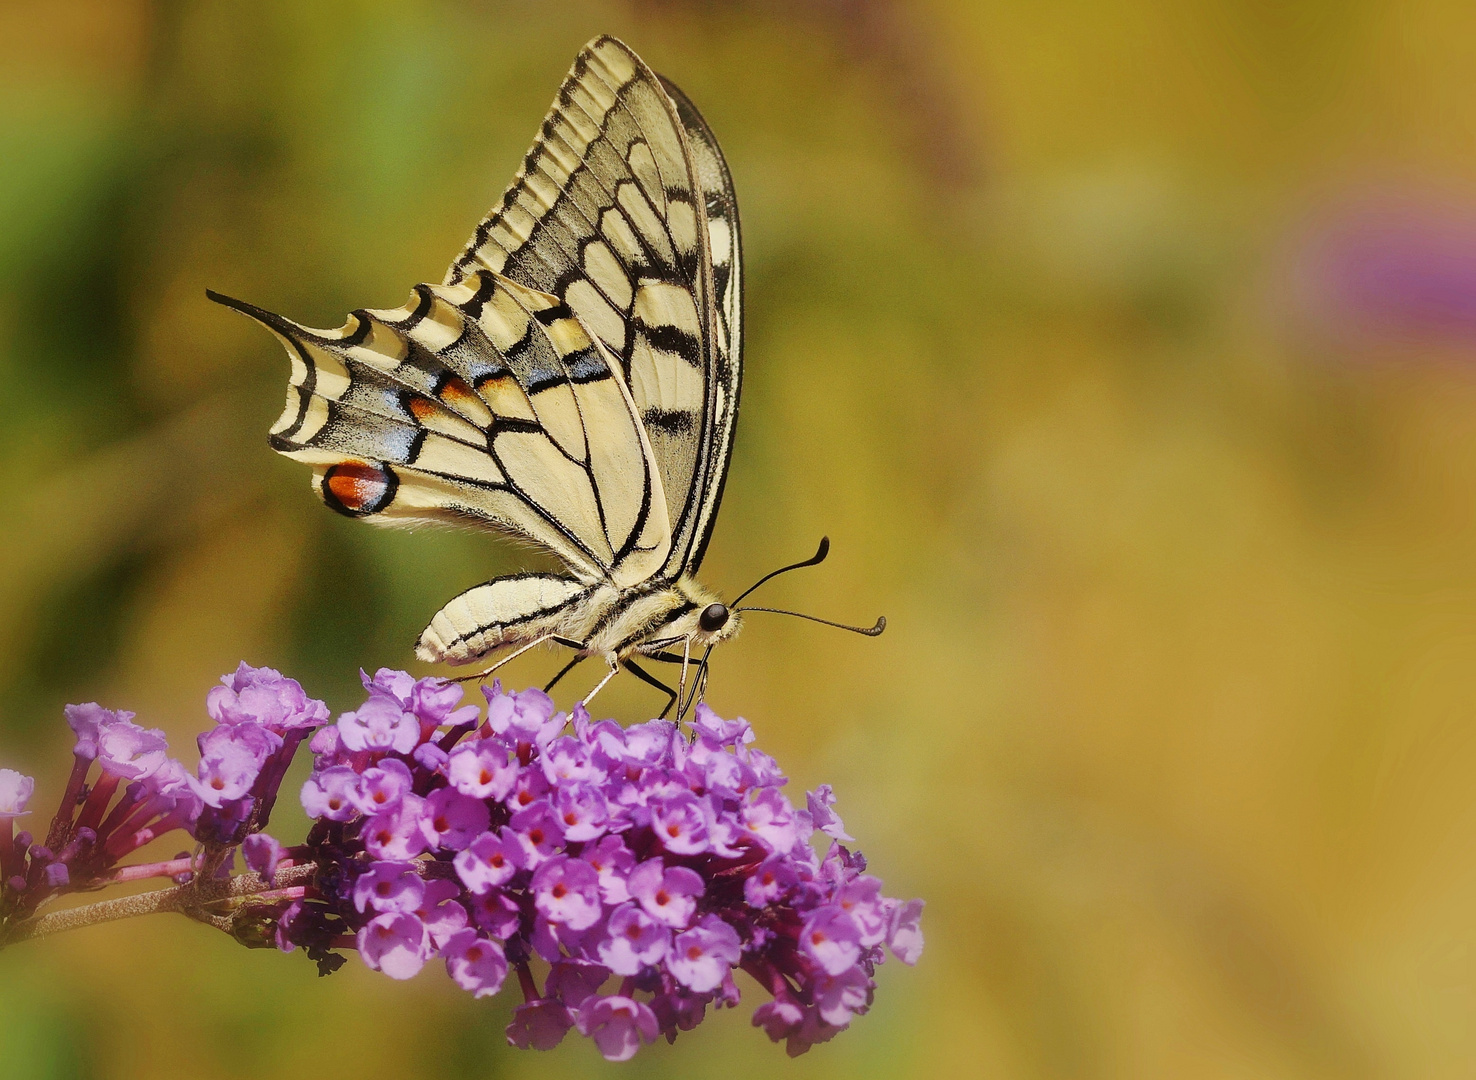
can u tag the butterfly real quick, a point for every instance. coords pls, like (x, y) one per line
(573, 381)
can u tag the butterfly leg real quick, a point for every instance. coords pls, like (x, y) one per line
(517, 653)
(651, 680)
(684, 703)
(614, 670)
(685, 661)
(699, 685)
(682, 682)
(563, 671)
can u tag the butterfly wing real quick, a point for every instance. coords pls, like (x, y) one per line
(624, 209)
(483, 402)
(725, 343)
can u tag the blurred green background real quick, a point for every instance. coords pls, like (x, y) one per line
(1127, 353)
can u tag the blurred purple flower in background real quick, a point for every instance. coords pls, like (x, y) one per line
(1387, 269)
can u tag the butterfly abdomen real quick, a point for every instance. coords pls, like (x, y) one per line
(603, 619)
(505, 613)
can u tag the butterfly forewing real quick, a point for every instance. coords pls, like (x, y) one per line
(481, 402)
(725, 324)
(624, 209)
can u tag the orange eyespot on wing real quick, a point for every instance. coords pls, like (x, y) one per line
(357, 488)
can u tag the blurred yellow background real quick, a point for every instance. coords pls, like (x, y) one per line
(1126, 352)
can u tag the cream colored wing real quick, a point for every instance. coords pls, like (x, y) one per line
(482, 402)
(725, 344)
(624, 209)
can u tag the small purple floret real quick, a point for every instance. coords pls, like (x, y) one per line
(332, 794)
(389, 886)
(482, 770)
(567, 891)
(381, 787)
(490, 860)
(451, 820)
(618, 1025)
(396, 834)
(702, 957)
(262, 854)
(474, 963)
(129, 751)
(15, 793)
(668, 895)
(379, 724)
(539, 1024)
(826, 820)
(633, 940)
(264, 697)
(395, 943)
(905, 937)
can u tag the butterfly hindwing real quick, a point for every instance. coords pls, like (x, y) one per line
(624, 209)
(484, 402)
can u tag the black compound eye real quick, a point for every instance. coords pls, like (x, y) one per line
(713, 617)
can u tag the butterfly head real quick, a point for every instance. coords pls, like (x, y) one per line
(713, 618)
(708, 620)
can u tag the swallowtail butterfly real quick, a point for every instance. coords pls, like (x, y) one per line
(573, 382)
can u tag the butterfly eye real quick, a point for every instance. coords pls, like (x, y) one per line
(713, 617)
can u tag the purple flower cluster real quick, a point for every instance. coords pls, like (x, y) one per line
(647, 858)
(125, 790)
(137, 793)
(620, 875)
(260, 719)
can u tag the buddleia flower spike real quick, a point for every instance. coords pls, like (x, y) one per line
(618, 878)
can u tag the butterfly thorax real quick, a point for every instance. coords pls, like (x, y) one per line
(655, 616)
(661, 618)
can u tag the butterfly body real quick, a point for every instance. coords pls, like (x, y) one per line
(573, 382)
(602, 619)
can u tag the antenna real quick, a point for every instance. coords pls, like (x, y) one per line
(699, 682)
(869, 631)
(814, 560)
